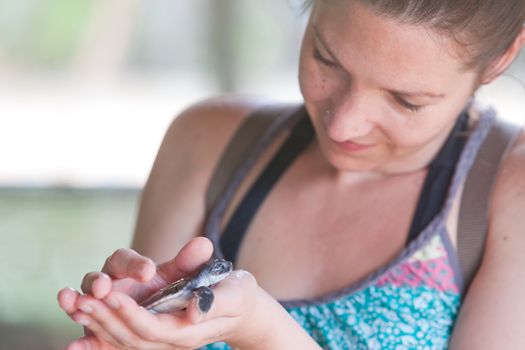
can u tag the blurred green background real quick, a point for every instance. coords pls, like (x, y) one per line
(87, 89)
(49, 237)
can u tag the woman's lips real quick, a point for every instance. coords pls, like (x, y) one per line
(350, 146)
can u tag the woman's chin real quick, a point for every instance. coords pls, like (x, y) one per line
(352, 164)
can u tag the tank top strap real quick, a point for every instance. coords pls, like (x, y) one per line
(283, 118)
(475, 138)
(288, 117)
(468, 156)
(439, 177)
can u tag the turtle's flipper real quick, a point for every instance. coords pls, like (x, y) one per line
(204, 298)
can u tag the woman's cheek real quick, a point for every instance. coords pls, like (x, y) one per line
(306, 82)
(314, 86)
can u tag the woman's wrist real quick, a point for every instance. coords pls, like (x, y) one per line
(270, 327)
(254, 327)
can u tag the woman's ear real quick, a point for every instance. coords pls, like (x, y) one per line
(503, 62)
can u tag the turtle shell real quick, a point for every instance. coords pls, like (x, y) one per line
(173, 290)
(174, 287)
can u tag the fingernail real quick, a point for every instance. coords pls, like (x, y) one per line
(83, 321)
(139, 268)
(113, 303)
(237, 275)
(86, 309)
(74, 346)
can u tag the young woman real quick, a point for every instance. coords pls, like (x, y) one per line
(354, 247)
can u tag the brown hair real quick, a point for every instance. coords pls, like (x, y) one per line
(485, 29)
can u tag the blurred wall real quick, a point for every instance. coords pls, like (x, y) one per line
(87, 89)
(106, 77)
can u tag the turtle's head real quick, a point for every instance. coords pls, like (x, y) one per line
(216, 270)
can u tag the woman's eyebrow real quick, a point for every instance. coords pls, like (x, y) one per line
(321, 40)
(400, 93)
(415, 94)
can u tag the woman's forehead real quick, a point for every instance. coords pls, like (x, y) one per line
(363, 41)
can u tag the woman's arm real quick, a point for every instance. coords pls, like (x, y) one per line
(172, 206)
(171, 212)
(242, 314)
(493, 314)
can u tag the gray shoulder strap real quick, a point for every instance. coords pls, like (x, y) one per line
(473, 214)
(239, 148)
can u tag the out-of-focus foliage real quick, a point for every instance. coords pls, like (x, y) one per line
(42, 32)
(87, 89)
(48, 238)
(162, 34)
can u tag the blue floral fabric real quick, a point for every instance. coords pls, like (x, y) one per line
(385, 317)
(410, 305)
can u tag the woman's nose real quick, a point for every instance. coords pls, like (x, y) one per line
(348, 118)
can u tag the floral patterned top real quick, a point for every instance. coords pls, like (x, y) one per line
(411, 303)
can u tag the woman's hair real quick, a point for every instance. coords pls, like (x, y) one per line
(485, 29)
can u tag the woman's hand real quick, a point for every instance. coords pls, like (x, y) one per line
(240, 315)
(136, 275)
(236, 316)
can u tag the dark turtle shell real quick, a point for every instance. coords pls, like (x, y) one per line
(175, 296)
(173, 289)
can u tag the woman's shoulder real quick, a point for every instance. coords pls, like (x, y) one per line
(510, 184)
(197, 137)
(507, 208)
(206, 126)
(499, 284)
(172, 198)
(202, 131)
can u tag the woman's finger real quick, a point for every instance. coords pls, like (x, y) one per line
(100, 339)
(236, 311)
(147, 336)
(232, 296)
(125, 263)
(96, 283)
(67, 298)
(94, 331)
(171, 329)
(88, 343)
(210, 331)
(153, 328)
(195, 253)
(106, 323)
(191, 329)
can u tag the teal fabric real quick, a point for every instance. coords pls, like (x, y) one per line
(379, 318)
(410, 304)
(385, 317)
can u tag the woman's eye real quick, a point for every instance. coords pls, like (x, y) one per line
(317, 55)
(407, 105)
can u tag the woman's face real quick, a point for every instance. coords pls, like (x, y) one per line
(382, 95)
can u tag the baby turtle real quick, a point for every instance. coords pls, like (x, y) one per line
(176, 296)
